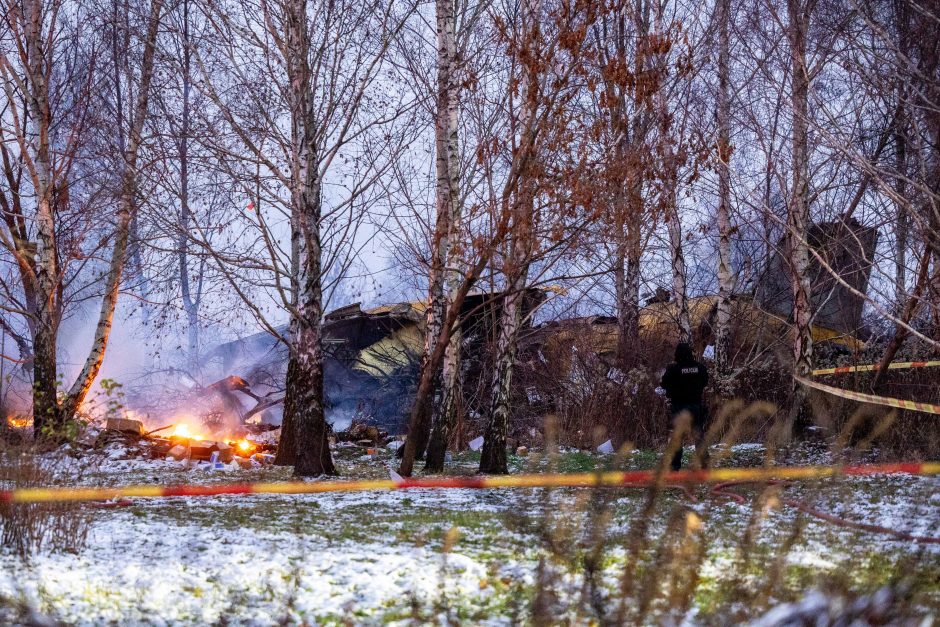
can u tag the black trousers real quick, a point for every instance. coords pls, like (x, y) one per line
(698, 430)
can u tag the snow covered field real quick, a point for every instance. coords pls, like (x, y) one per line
(472, 557)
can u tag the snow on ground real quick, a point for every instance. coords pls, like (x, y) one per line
(378, 556)
(133, 572)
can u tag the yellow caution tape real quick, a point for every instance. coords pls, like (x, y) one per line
(871, 398)
(899, 365)
(633, 478)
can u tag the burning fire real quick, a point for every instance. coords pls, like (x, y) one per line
(182, 431)
(242, 447)
(19, 422)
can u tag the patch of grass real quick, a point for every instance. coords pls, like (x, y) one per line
(579, 461)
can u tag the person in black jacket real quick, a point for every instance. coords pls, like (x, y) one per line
(684, 381)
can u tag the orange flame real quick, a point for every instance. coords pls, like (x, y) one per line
(19, 422)
(182, 431)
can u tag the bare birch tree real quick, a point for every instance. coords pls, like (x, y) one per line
(626, 119)
(724, 149)
(448, 203)
(323, 105)
(32, 77)
(127, 211)
(545, 44)
(799, 13)
(671, 154)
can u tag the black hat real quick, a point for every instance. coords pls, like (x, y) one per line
(684, 352)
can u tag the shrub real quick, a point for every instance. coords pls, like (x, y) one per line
(26, 528)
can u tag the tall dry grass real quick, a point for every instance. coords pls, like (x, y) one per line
(28, 528)
(655, 564)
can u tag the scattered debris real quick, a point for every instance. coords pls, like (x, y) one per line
(265, 459)
(179, 452)
(125, 425)
(204, 449)
(361, 433)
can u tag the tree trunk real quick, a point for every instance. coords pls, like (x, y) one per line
(448, 168)
(515, 269)
(798, 216)
(630, 128)
(422, 406)
(522, 158)
(190, 303)
(451, 394)
(433, 329)
(46, 420)
(46, 416)
(445, 132)
(493, 457)
(668, 197)
(287, 444)
(674, 227)
(927, 89)
(902, 229)
(725, 276)
(627, 277)
(312, 455)
(303, 393)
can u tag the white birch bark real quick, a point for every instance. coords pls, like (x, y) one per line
(493, 457)
(628, 205)
(448, 215)
(445, 131)
(725, 276)
(126, 212)
(45, 404)
(627, 278)
(674, 227)
(798, 215)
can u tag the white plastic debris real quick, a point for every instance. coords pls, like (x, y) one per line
(394, 445)
(606, 448)
(476, 443)
(394, 475)
(617, 375)
(709, 352)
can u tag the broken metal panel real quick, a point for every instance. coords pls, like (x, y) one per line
(371, 357)
(391, 353)
(848, 249)
(561, 344)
